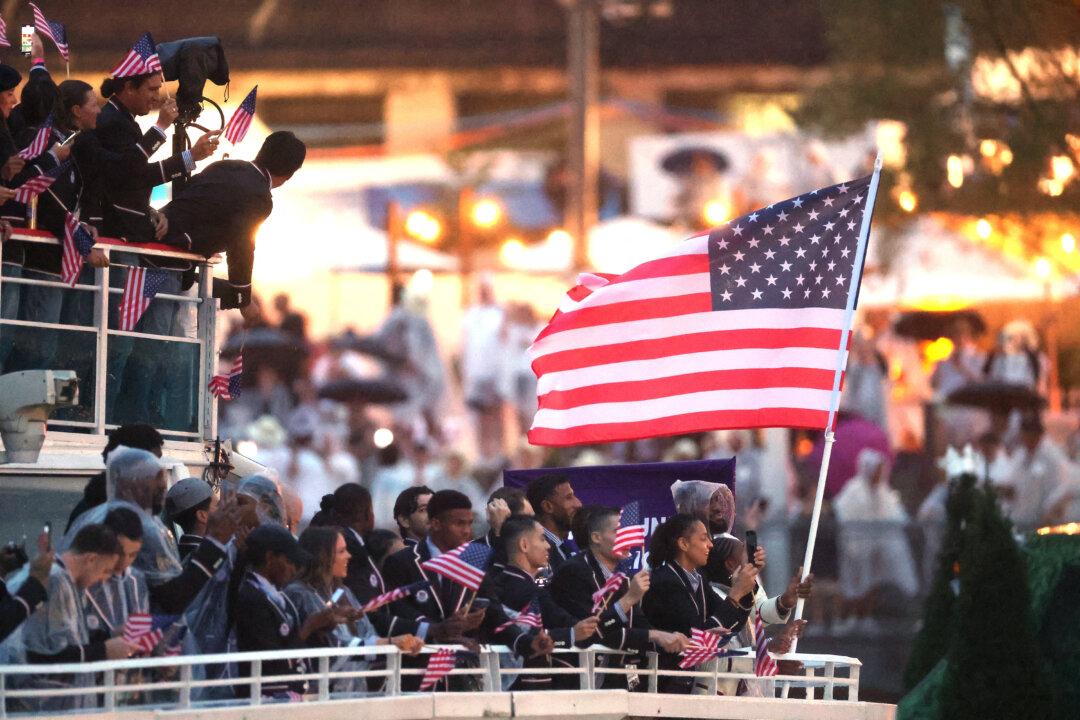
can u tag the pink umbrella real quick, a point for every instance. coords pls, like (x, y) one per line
(853, 433)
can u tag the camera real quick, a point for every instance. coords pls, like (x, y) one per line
(193, 61)
(26, 400)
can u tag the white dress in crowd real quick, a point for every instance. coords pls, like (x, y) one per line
(873, 542)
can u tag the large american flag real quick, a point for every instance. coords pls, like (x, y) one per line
(736, 328)
(146, 631)
(53, 30)
(631, 532)
(141, 286)
(238, 124)
(37, 185)
(40, 142)
(78, 242)
(141, 59)
(396, 594)
(465, 564)
(440, 664)
(227, 386)
(764, 665)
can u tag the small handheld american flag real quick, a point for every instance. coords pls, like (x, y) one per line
(227, 386)
(78, 242)
(40, 142)
(53, 30)
(37, 185)
(145, 631)
(238, 124)
(529, 617)
(631, 532)
(3, 34)
(613, 583)
(396, 594)
(764, 665)
(141, 286)
(142, 59)
(439, 666)
(704, 645)
(465, 564)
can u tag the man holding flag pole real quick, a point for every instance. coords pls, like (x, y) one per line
(745, 326)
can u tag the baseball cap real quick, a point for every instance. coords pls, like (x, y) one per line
(270, 537)
(185, 495)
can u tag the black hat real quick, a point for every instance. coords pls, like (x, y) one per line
(9, 78)
(276, 539)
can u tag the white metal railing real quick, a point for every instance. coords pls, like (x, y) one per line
(131, 684)
(204, 340)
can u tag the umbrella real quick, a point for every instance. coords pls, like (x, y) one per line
(680, 161)
(262, 341)
(375, 392)
(367, 345)
(997, 397)
(929, 325)
(853, 433)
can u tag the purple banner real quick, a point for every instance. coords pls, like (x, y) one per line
(648, 483)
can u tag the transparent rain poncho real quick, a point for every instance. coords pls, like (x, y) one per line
(693, 497)
(131, 479)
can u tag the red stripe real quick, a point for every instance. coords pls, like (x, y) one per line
(667, 266)
(755, 378)
(822, 338)
(680, 424)
(644, 309)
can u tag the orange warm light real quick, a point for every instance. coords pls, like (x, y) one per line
(1067, 529)
(938, 350)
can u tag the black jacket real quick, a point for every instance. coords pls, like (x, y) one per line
(220, 210)
(188, 544)
(559, 552)
(673, 605)
(94, 494)
(513, 591)
(572, 588)
(14, 609)
(127, 180)
(262, 625)
(365, 581)
(173, 597)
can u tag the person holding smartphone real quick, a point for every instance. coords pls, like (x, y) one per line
(17, 606)
(320, 590)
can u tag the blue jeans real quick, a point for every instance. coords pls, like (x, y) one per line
(147, 379)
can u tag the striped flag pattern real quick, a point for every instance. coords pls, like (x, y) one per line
(53, 30)
(141, 286)
(227, 386)
(40, 143)
(439, 666)
(764, 665)
(145, 631)
(396, 594)
(529, 616)
(37, 185)
(736, 328)
(4, 42)
(142, 59)
(704, 646)
(238, 124)
(613, 583)
(631, 532)
(77, 245)
(465, 564)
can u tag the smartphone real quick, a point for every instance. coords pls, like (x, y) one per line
(47, 532)
(751, 546)
(337, 596)
(27, 42)
(480, 603)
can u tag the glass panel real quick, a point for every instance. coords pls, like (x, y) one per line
(152, 381)
(39, 500)
(44, 348)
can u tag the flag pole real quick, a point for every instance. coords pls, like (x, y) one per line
(841, 363)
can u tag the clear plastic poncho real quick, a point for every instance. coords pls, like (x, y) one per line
(693, 498)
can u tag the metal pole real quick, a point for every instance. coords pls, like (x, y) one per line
(466, 199)
(1053, 380)
(583, 150)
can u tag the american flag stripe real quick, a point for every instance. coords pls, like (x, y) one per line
(76, 245)
(40, 142)
(739, 327)
(4, 42)
(764, 665)
(238, 124)
(612, 585)
(132, 303)
(141, 59)
(464, 565)
(227, 387)
(631, 531)
(395, 594)
(52, 30)
(440, 664)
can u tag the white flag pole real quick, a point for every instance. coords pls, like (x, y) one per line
(841, 363)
